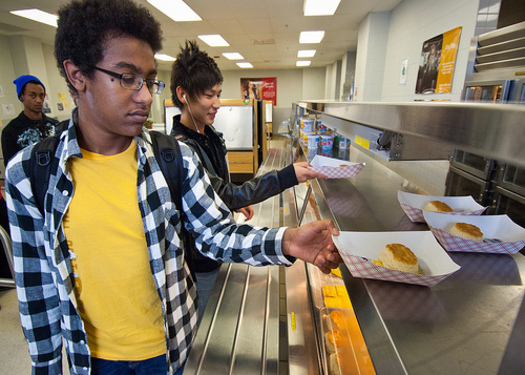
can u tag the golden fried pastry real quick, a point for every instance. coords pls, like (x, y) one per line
(468, 231)
(399, 257)
(438, 206)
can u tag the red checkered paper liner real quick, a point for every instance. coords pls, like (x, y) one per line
(335, 168)
(413, 205)
(501, 234)
(455, 243)
(416, 214)
(422, 243)
(349, 171)
(364, 268)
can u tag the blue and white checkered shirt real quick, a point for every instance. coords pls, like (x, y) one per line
(43, 274)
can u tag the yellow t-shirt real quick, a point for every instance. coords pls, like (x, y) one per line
(118, 299)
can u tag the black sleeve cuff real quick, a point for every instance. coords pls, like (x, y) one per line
(287, 177)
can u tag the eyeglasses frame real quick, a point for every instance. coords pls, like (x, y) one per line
(160, 84)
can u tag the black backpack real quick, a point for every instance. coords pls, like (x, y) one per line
(166, 150)
(167, 153)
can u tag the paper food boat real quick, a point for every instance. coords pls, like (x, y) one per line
(413, 205)
(358, 249)
(335, 168)
(501, 235)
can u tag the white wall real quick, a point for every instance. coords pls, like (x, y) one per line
(8, 91)
(371, 57)
(292, 86)
(313, 83)
(56, 87)
(412, 23)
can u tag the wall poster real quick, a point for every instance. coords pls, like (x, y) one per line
(259, 88)
(436, 66)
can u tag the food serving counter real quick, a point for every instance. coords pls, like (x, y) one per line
(461, 325)
(270, 320)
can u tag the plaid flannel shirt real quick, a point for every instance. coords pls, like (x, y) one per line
(43, 275)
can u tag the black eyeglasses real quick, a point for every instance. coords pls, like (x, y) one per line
(134, 82)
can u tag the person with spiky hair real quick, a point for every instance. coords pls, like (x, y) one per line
(196, 90)
(101, 269)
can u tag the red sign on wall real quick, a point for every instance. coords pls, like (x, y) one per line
(259, 88)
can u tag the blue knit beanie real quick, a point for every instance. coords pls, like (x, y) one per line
(21, 81)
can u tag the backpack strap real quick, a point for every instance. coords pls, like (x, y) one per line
(168, 155)
(40, 168)
(40, 164)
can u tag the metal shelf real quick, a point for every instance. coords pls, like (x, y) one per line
(495, 131)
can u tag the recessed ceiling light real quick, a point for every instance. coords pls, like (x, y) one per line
(311, 37)
(303, 63)
(37, 15)
(233, 56)
(320, 7)
(177, 10)
(163, 57)
(214, 40)
(306, 53)
(245, 65)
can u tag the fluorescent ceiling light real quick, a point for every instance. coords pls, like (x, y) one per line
(37, 15)
(320, 7)
(311, 37)
(177, 10)
(245, 65)
(306, 53)
(233, 56)
(214, 40)
(164, 57)
(303, 63)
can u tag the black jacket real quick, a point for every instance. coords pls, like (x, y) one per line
(211, 150)
(22, 132)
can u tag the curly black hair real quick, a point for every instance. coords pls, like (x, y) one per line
(194, 71)
(84, 26)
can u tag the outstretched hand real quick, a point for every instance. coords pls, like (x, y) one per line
(303, 172)
(313, 243)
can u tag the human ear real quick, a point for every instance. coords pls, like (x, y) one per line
(74, 75)
(181, 95)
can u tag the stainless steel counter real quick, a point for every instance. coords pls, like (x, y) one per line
(460, 326)
(245, 326)
(261, 320)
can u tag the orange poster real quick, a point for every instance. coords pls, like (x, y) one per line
(436, 67)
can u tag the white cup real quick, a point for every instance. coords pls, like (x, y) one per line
(313, 141)
(308, 125)
(327, 142)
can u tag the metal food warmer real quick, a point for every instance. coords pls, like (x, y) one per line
(273, 320)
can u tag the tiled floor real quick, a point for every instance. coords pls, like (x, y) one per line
(14, 355)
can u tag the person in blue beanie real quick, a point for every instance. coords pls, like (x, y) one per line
(31, 125)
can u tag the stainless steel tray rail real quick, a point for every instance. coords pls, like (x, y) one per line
(243, 331)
